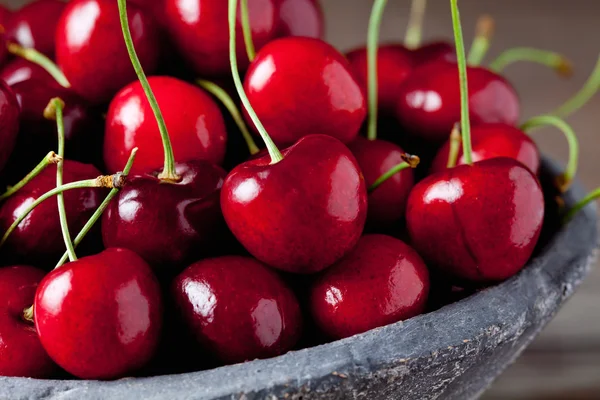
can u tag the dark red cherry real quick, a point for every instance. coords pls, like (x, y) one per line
(237, 308)
(184, 218)
(491, 141)
(9, 122)
(394, 64)
(429, 100)
(195, 124)
(301, 18)
(301, 214)
(34, 25)
(200, 31)
(21, 353)
(433, 51)
(91, 52)
(38, 239)
(100, 317)
(300, 86)
(387, 202)
(477, 222)
(381, 281)
(19, 70)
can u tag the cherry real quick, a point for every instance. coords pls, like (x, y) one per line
(90, 49)
(199, 29)
(196, 125)
(301, 18)
(21, 353)
(34, 25)
(299, 86)
(433, 51)
(237, 308)
(9, 122)
(100, 317)
(20, 69)
(381, 281)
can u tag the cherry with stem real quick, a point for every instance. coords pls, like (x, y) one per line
(50, 159)
(556, 61)
(40, 59)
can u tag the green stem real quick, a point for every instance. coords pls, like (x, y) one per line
(564, 180)
(557, 62)
(41, 60)
(372, 45)
(465, 125)
(224, 98)
(481, 42)
(271, 147)
(247, 30)
(169, 172)
(594, 195)
(98, 213)
(454, 146)
(410, 161)
(51, 158)
(414, 31)
(589, 89)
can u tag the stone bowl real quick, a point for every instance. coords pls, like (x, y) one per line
(453, 353)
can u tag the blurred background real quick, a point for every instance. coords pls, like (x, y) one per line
(564, 362)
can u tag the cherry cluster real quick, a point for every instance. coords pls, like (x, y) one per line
(213, 250)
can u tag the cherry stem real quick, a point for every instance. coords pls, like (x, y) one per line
(556, 61)
(410, 161)
(564, 180)
(589, 89)
(372, 47)
(465, 125)
(38, 58)
(28, 314)
(247, 31)
(54, 111)
(414, 31)
(50, 159)
(224, 98)
(481, 43)
(169, 172)
(271, 147)
(593, 195)
(455, 141)
(100, 210)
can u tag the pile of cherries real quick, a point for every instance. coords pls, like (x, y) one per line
(215, 251)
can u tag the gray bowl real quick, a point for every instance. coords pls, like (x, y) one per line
(454, 353)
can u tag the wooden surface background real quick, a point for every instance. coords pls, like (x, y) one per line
(564, 362)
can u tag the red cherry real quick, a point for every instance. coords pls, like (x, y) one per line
(184, 217)
(199, 29)
(301, 214)
(429, 100)
(381, 281)
(301, 18)
(19, 70)
(195, 123)
(5, 15)
(477, 222)
(100, 317)
(21, 353)
(433, 51)
(299, 86)
(491, 141)
(237, 308)
(91, 52)
(34, 25)
(9, 122)
(387, 202)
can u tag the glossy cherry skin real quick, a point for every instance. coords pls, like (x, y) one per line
(301, 18)
(479, 223)
(38, 239)
(100, 317)
(429, 100)
(9, 122)
(491, 141)
(34, 25)
(184, 218)
(237, 308)
(300, 86)
(381, 281)
(19, 70)
(195, 123)
(433, 51)
(21, 353)
(301, 214)
(387, 203)
(199, 29)
(91, 51)
(394, 64)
